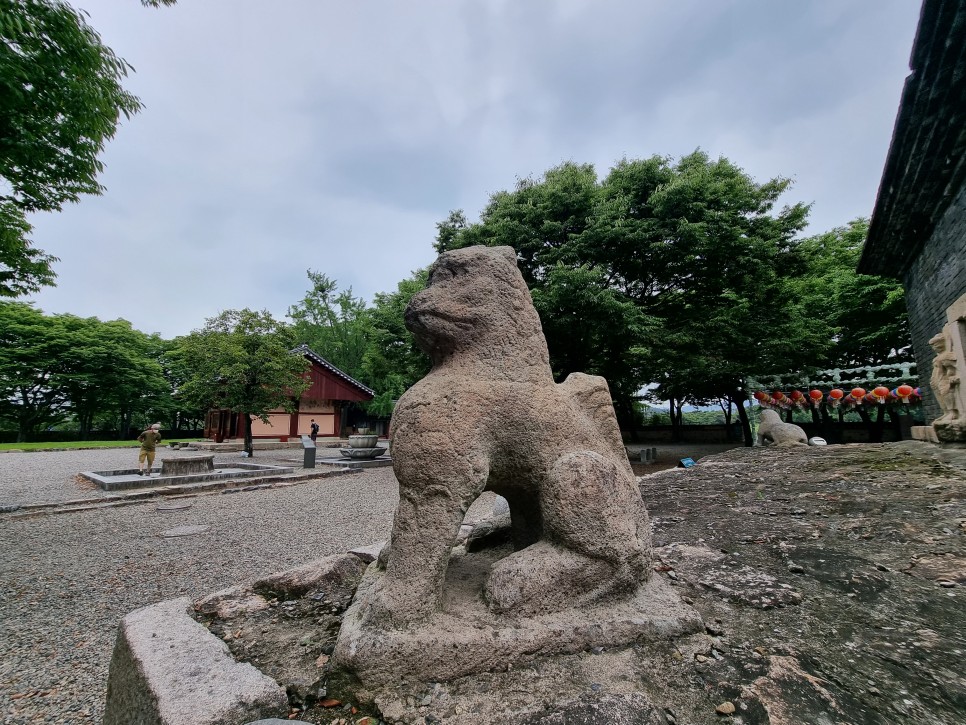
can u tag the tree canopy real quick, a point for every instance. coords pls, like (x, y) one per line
(671, 272)
(334, 324)
(56, 367)
(242, 360)
(392, 362)
(62, 101)
(866, 314)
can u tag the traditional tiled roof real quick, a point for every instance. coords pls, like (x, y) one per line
(926, 165)
(321, 361)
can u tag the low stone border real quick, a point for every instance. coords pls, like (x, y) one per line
(189, 489)
(130, 479)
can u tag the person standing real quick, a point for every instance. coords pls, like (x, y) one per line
(149, 444)
(314, 430)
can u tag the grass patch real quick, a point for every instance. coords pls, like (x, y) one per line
(47, 445)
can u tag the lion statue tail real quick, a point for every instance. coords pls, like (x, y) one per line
(591, 399)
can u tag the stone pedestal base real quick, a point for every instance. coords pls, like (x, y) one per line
(924, 433)
(466, 638)
(954, 432)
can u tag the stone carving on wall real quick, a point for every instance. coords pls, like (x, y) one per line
(948, 368)
(944, 380)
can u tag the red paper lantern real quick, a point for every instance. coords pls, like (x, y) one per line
(798, 396)
(761, 396)
(904, 391)
(815, 395)
(836, 394)
(858, 393)
(880, 393)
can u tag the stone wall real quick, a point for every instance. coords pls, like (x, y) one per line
(934, 281)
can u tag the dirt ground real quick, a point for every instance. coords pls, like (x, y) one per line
(831, 585)
(670, 454)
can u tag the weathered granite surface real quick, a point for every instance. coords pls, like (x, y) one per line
(489, 416)
(169, 670)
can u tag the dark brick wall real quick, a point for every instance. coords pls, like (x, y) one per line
(936, 279)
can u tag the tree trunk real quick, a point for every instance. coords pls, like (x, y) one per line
(627, 407)
(249, 447)
(864, 415)
(675, 410)
(739, 399)
(879, 427)
(828, 431)
(86, 422)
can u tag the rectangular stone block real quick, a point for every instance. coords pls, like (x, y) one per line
(167, 669)
(186, 466)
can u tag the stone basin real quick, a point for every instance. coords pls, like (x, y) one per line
(362, 452)
(364, 441)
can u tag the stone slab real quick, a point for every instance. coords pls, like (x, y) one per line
(466, 638)
(169, 670)
(174, 506)
(128, 478)
(183, 531)
(381, 462)
(187, 465)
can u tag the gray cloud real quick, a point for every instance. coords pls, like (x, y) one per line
(332, 136)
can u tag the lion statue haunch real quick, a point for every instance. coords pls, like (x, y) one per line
(489, 416)
(773, 432)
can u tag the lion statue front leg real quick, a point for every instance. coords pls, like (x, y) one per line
(433, 500)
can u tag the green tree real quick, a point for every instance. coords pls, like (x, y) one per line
(866, 313)
(683, 267)
(62, 101)
(241, 360)
(23, 269)
(32, 345)
(110, 372)
(393, 362)
(722, 277)
(59, 367)
(176, 412)
(334, 324)
(590, 323)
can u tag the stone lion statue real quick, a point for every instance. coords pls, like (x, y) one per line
(772, 431)
(489, 416)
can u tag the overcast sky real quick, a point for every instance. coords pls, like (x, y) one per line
(281, 136)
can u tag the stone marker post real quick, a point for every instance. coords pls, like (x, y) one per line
(308, 452)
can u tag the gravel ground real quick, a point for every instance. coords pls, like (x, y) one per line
(67, 579)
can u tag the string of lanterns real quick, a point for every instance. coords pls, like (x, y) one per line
(879, 395)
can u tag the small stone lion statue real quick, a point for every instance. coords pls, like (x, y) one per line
(489, 416)
(773, 432)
